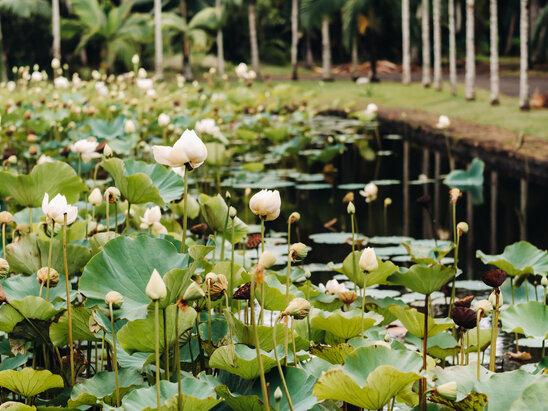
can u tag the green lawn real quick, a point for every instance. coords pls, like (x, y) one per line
(344, 94)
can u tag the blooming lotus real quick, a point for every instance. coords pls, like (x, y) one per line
(156, 288)
(151, 219)
(188, 151)
(207, 126)
(163, 120)
(370, 192)
(61, 82)
(443, 122)
(56, 209)
(332, 287)
(44, 159)
(266, 204)
(371, 109)
(145, 84)
(241, 70)
(85, 149)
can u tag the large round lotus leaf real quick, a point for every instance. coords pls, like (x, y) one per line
(370, 377)
(138, 335)
(424, 279)
(215, 210)
(334, 354)
(16, 406)
(241, 360)
(29, 382)
(414, 321)
(465, 376)
(31, 307)
(20, 286)
(343, 324)
(140, 182)
(428, 253)
(125, 265)
(100, 387)
(530, 319)
(519, 258)
(351, 268)
(275, 293)
(505, 388)
(52, 178)
(58, 331)
(197, 395)
(532, 398)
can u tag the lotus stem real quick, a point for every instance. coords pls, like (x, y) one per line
(512, 289)
(456, 239)
(4, 239)
(128, 217)
(116, 216)
(114, 357)
(262, 234)
(284, 384)
(478, 348)
(422, 384)
(295, 359)
(494, 331)
(257, 343)
(49, 257)
(209, 311)
(262, 284)
(69, 310)
(102, 349)
(224, 231)
(108, 217)
(177, 356)
(363, 304)
(166, 343)
(185, 210)
(287, 281)
(30, 219)
(231, 281)
(157, 349)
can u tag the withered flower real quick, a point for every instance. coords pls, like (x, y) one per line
(464, 317)
(253, 241)
(464, 301)
(495, 278)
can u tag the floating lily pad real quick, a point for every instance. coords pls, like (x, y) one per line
(426, 252)
(313, 186)
(470, 181)
(335, 238)
(381, 240)
(519, 258)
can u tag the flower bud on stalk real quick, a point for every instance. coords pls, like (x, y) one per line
(42, 276)
(114, 298)
(156, 288)
(298, 308)
(298, 250)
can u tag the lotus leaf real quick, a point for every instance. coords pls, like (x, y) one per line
(519, 258)
(29, 382)
(31, 308)
(215, 211)
(530, 319)
(241, 360)
(414, 321)
(58, 331)
(379, 276)
(532, 398)
(470, 180)
(343, 324)
(428, 253)
(424, 279)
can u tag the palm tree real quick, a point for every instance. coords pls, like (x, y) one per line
(524, 55)
(437, 46)
(255, 64)
(21, 9)
(56, 29)
(220, 47)
(294, 37)
(118, 31)
(470, 76)
(494, 39)
(158, 45)
(425, 43)
(406, 43)
(187, 68)
(452, 49)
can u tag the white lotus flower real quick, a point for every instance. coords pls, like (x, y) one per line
(332, 287)
(55, 63)
(44, 159)
(156, 288)
(152, 93)
(371, 109)
(163, 120)
(95, 198)
(10, 85)
(36, 76)
(145, 83)
(207, 126)
(61, 82)
(250, 75)
(188, 150)
(370, 192)
(86, 149)
(56, 209)
(241, 70)
(266, 204)
(129, 126)
(443, 122)
(151, 216)
(135, 59)
(368, 260)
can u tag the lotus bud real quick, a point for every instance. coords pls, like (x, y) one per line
(55, 63)
(211, 278)
(129, 127)
(387, 202)
(112, 194)
(454, 195)
(6, 217)
(351, 209)
(227, 195)
(485, 306)
(163, 120)
(95, 198)
(298, 308)
(348, 197)
(348, 297)
(135, 59)
(42, 276)
(193, 292)
(448, 390)
(278, 394)
(294, 217)
(462, 228)
(368, 260)
(307, 273)
(266, 204)
(12, 159)
(107, 151)
(267, 259)
(114, 298)
(4, 267)
(232, 212)
(156, 288)
(247, 192)
(493, 299)
(544, 281)
(298, 250)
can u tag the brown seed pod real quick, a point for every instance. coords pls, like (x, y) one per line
(464, 301)
(101, 146)
(464, 317)
(243, 292)
(199, 229)
(495, 278)
(253, 241)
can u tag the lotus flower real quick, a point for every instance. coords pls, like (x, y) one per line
(156, 288)
(370, 192)
(151, 219)
(266, 204)
(57, 208)
(443, 122)
(207, 126)
(85, 149)
(189, 150)
(332, 287)
(368, 260)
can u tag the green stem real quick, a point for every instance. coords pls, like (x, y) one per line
(177, 355)
(128, 217)
(224, 232)
(4, 240)
(114, 357)
(49, 257)
(102, 350)
(115, 216)
(209, 311)
(286, 390)
(262, 284)
(157, 349)
(166, 342)
(422, 385)
(287, 281)
(478, 348)
(185, 211)
(363, 303)
(262, 234)
(295, 359)
(257, 343)
(494, 330)
(231, 284)
(69, 306)
(108, 217)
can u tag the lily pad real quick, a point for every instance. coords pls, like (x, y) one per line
(343, 324)
(423, 279)
(241, 360)
(29, 382)
(414, 321)
(530, 319)
(519, 258)
(357, 276)
(335, 238)
(428, 253)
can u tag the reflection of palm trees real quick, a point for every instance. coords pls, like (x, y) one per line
(21, 9)
(56, 29)
(437, 46)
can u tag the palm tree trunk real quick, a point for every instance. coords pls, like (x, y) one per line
(524, 55)
(187, 68)
(294, 37)
(158, 45)
(355, 59)
(253, 37)
(309, 58)
(437, 47)
(326, 49)
(56, 29)
(3, 65)
(452, 49)
(510, 35)
(406, 57)
(220, 47)
(470, 76)
(426, 43)
(494, 52)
